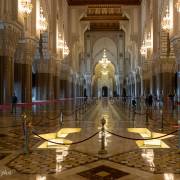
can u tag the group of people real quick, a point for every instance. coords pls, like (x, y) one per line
(150, 100)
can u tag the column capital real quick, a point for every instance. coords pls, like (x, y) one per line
(42, 67)
(9, 35)
(175, 40)
(25, 50)
(164, 66)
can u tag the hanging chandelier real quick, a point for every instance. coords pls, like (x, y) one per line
(62, 45)
(166, 21)
(42, 21)
(148, 43)
(60, 42)
(104, 72)
(26, 7)
(143, 49)
(65, 50)
(104, 61)
(178, 6)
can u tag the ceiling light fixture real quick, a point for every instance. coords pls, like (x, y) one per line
(26, 7)
(60, 41)
(178, 6)
(65, 49)
(104, 61)
(42, 21)
(166, 21)
(143, 49)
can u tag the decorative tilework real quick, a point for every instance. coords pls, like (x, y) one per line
(152, 160)
(3, 155)
(102, 173)
(49, 161)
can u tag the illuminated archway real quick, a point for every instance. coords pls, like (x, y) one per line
(103, 78)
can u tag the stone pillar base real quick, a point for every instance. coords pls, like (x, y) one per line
(6, 79)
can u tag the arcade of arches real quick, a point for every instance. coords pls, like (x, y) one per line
(89, 89)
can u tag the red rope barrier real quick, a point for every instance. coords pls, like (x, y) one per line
(38, 103)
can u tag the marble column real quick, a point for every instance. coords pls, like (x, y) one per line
(56, 84)
(62, 87)
(176, 44)
(23, 69)
(9, 34)
(50, 86)
(165, 77)
(41, 81)
(146, 86)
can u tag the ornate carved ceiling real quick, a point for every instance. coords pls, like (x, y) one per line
(104, 17)
(104, 26)
(90, 2)
(104, 13)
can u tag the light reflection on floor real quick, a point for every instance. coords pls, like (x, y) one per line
(146, 133)
(60, 155)
(168, 176)
(41, 177)
(62, 152)
(148, 156)
(57, 137)
(107, 138)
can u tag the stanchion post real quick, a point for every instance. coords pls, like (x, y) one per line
(85, 106)
(162, 120)
(134, 113)
(179, 134)
(81, 108)
(129, 113)
(61, 119)
(26, 129)
(79, 112)
(76, 118)
(147, 118)
(103, 151)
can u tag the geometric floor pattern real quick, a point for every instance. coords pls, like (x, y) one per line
(14, 141)
(102, 173)
(49, 161)
(14, 138)
(3, 155)
(156, 161)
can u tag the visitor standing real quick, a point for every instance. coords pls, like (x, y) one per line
(14, 103)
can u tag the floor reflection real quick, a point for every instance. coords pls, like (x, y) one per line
(57, 137)
(54, 160)
(147, 134)
(168, 176)
(60, 156)
(148, 156)
(41, 177)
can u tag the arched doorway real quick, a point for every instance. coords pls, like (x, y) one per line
(104, 91)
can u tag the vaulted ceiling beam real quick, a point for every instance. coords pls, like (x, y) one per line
(95, 2)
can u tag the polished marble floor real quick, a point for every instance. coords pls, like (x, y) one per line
(125, 158)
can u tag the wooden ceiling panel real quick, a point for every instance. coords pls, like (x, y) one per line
(95, 2)
(104, 26)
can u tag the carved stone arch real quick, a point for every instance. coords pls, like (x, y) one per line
(111, 50)
(102, 37)
(123, 28)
